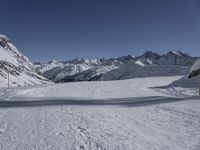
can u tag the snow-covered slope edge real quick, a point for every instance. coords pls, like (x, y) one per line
(21, 70)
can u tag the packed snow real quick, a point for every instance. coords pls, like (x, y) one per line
(134, 114)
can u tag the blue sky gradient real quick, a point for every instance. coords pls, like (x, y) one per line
(65, 29)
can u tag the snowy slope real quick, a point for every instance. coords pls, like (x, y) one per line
(132, 70)
(123, 115)
(80, 69)
(20, 68)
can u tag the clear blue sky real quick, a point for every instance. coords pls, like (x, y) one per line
(65, 29)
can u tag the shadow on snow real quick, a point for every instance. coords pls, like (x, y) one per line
(133, 101)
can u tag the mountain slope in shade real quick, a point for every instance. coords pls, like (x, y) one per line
(125, 67)
(20, 68)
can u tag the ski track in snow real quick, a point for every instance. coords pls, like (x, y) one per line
(95, 126)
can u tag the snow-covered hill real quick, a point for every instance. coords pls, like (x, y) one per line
(21, 69)
(172, 63)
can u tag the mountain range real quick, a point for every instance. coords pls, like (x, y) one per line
(125, 67)
(22, 72)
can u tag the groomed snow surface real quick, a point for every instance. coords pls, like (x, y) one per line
(114, 115)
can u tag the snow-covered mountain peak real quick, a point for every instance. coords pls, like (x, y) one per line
(126, 58)
(150, 55)
(20, 68)
(83, 61)
(4, 41)
(9, 53)
(130, 55)
(177, 53)
(53, 62)
(76, 61)
(3, 37)
(92, 61)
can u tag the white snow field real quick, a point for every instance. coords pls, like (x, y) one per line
(109, 115)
